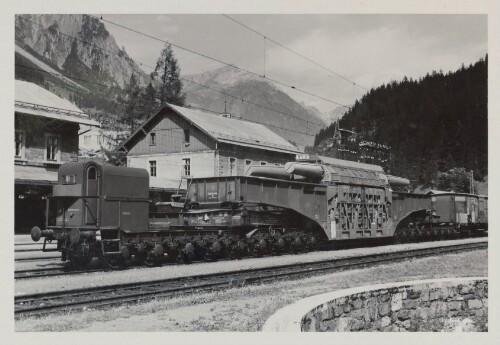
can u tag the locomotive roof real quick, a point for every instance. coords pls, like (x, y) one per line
(107, 169)
(228, 130)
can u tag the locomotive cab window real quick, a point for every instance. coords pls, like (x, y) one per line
(69, 179)
(91, 174)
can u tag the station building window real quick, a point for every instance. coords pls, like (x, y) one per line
(19, 144)
(186, 167)
(186, 136)
(152, 168)
(232, 166)
(52, 147)
(152, 139)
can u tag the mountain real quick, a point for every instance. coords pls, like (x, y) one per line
(294, 121)
(433, 124)
(69, 43)
(75, 57)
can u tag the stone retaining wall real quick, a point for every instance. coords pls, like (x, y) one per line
(432, 306)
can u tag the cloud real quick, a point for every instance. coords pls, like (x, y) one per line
(369, 58)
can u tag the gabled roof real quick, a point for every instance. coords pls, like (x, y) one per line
(35, 100)
(227, 130)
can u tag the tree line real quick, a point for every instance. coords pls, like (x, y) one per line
(435, 125)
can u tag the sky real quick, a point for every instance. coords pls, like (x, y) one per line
(367, 49)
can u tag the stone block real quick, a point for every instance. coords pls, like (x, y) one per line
(358, 314)
(464, 289)
(384, 309)
(474, 304)
(347, 324)
(438, 309)
(413, 294)
(337, 310)
(346, 307)
(371, 311)
(326, 325)
(424, 296)
(327, 313)
(434, 295)
(411, 303)
(385, 297)
(357, 303)
(406, 324)
(405, 314)
(479, 313)
(455, 305)
(422, 313)
(397, 302)
(385, 321)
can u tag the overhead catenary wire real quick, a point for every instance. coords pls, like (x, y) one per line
(266, 37)
(322, 125)
(220, 61)
(191, 106)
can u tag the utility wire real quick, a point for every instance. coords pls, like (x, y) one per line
(191, 106)
(294, 52)
(142, 64)
(220, 61)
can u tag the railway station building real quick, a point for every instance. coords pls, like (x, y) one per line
(176, 143)
(46, 136)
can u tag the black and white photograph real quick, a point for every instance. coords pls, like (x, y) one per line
(217, 170)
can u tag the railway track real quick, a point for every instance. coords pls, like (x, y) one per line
(38, 258)
(119, 294)
(50, 272)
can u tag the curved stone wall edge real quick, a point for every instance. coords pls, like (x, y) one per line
(289, 318)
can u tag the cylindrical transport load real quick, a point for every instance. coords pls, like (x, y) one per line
(271, 171)
(313, 171)
(397, 181)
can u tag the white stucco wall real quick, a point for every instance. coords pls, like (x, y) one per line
(170, 166)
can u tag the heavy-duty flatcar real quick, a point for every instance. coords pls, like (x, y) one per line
(103, 211)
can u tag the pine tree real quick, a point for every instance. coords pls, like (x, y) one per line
(168, 73)
(148, 101)
(132, 110)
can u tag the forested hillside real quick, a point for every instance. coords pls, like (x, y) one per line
(432, 124)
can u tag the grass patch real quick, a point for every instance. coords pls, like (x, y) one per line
(247, 308)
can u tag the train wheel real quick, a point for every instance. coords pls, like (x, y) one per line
(312, 243)
(297, 245)
(280, 246)
(397, 238)
(213, 252)
(79, 261)
(188, 253)
(109, 262)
